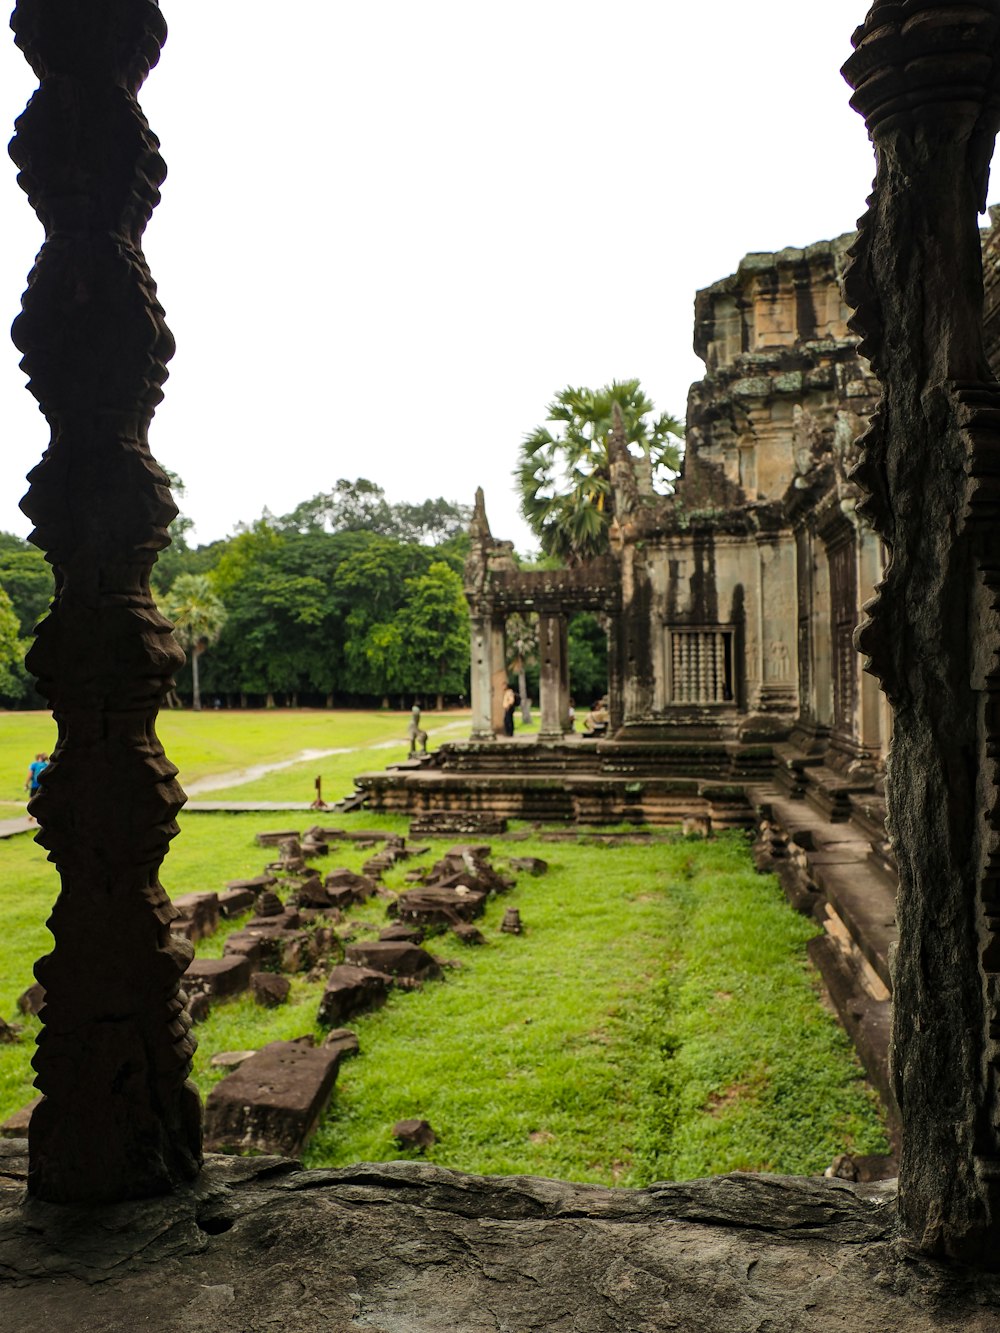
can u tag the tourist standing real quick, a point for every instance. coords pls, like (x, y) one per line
(35, 770)
(509, 704)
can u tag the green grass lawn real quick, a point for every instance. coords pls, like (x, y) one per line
(658, 1018)
(227, 741)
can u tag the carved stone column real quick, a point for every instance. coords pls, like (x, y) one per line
(498, 678)
(118, 1119)
(481, 677)
(927, 80)
(552, 673)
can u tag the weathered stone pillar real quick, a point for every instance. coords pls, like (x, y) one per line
(481, 677)
(616, 704)
(554, 698)
(927, 80)
(565, 722)
(117, 1119)
(498, 677)
(778, 690)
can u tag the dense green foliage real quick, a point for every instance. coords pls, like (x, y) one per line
(25, 593)
(657, 1018)
(565, 477)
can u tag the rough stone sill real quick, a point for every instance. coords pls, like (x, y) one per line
(404, 1247)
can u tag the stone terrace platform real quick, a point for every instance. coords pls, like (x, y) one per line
(580, 778)
(258, 1244)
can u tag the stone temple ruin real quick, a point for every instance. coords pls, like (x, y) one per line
(729, 606)
(113, 1218)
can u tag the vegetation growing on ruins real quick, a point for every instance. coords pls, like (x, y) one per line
(565, 477)
(657, 1018)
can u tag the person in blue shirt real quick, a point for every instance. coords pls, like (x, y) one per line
(35, 769)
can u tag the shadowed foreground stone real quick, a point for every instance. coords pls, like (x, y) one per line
(255, 1244)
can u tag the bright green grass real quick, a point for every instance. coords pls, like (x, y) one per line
(228, 740)
(657, 1019)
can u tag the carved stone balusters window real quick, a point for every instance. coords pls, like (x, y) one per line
(118, 1118)
(701, 666)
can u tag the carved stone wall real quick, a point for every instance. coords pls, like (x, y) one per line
(117, 1118)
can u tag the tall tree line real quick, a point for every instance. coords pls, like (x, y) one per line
(348, 599)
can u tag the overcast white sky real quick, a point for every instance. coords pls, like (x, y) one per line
(391, 232)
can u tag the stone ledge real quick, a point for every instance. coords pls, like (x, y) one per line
(405, 1247)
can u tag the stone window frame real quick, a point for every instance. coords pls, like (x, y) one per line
(728, 631)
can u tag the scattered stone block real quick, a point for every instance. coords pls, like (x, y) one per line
(511, 923)
(269, 904)
(273, 1102)
(529, 865)
(218, 977)
(198, 1007)
(16, 1126)
(351, 990)
(246, 944)
(10, 1033)
(396, 957)
(31, 1000)
(345, 887)
(311, 893)
(230, 1059)
(198, 915)
(469, 934)
(435, 906)
(371, 836)
(344, 1039)
(697, 826)
(269, 989)
(411, 934)
(414, 1134)
(234, 902)
(276, 839)
(255, 884)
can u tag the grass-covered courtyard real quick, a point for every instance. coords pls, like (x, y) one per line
(658, 1018)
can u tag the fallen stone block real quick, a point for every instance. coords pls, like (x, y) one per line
(230, 1059)
(345, 1039)
(529, 865)
(269, 904)
(396, 957)
(234, 902)
(218, 977)
(245, 944)
(31, 1000)
(411, 934)
(10, 1033)
(312, 847)
(275, 839)
(269, 989)
(346, 886)
(16, 1126)
(469, 935)
(311, 893)
(432, 905)
(351, 990)
(273, 1102)
(198, 1007)
(414, 1134)
(286, 919)
(256, 884)
(198, 915)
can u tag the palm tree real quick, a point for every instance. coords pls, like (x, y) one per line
(198, 615)
(522, 647)
(565, 478)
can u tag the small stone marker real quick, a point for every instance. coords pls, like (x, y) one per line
(273, 1102)
(269, 904)
(351, 990)
(511, 923)
(269, 989)
(414, 1134)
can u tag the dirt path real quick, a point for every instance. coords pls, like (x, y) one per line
(239, 777)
